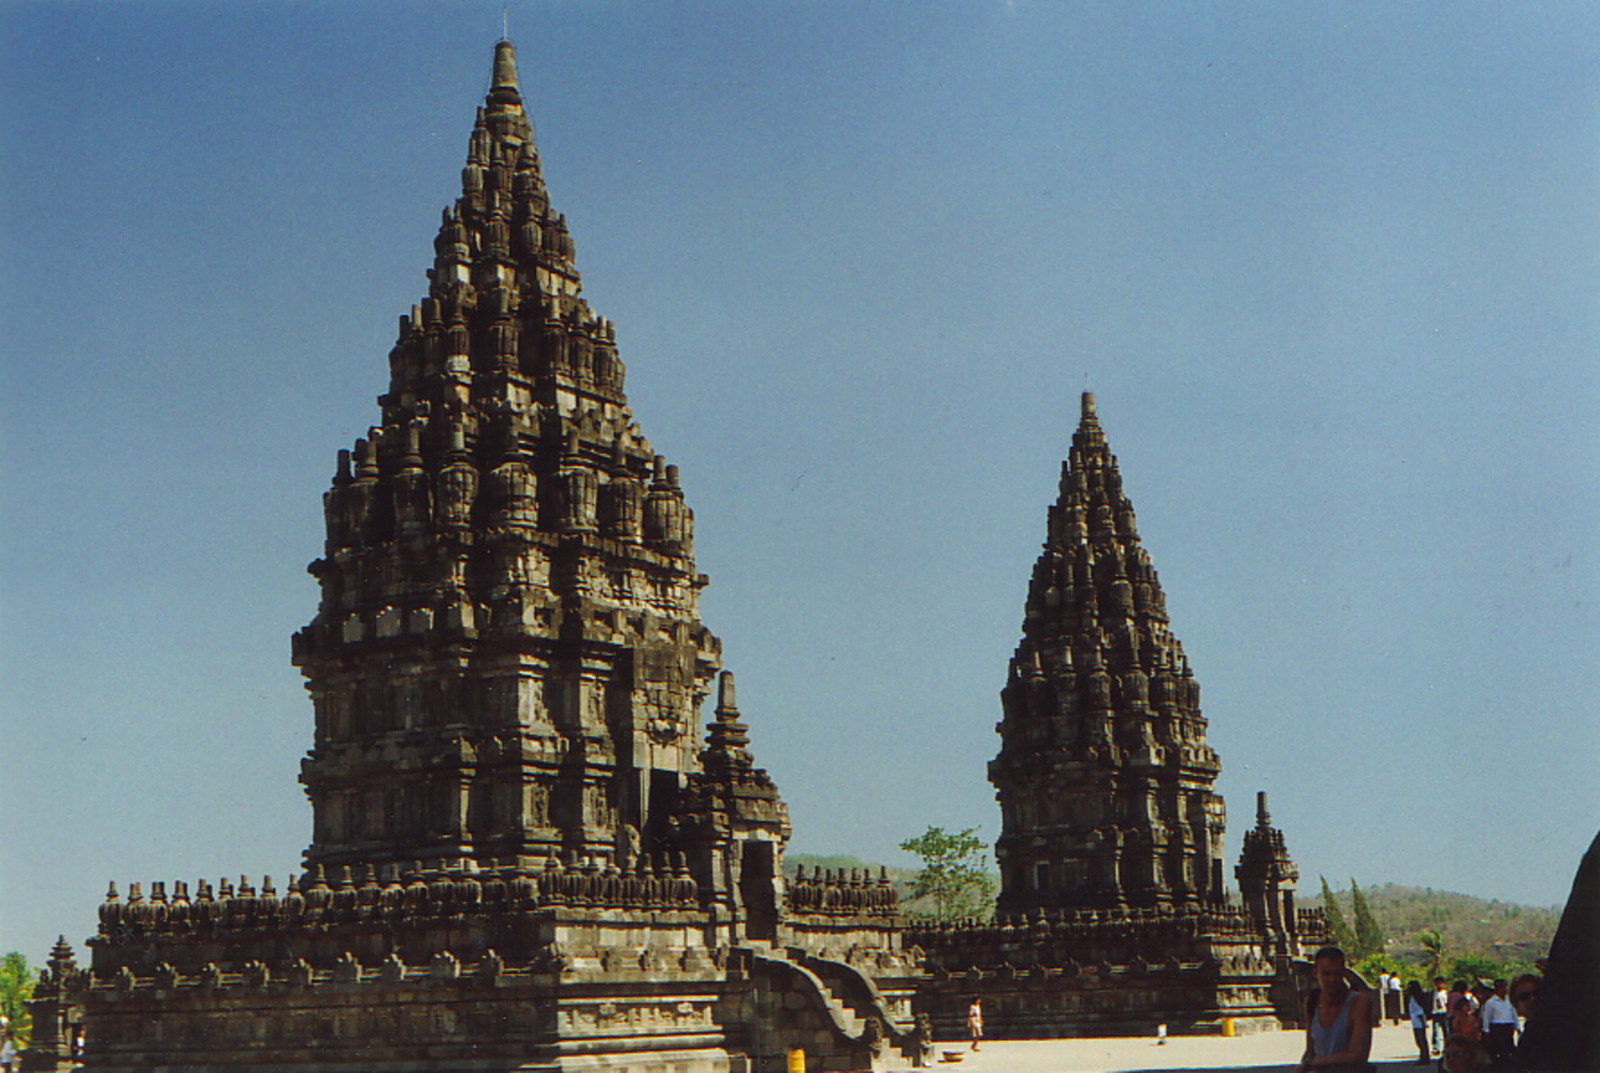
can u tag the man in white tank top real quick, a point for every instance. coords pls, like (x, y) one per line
(1338, 1018)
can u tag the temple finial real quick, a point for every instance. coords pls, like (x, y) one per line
(503, 86)
(1262, 816)
(1088, 406)
(725, 694)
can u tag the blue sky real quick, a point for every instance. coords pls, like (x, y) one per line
(1331, 269)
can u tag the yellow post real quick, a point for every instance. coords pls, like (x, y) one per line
(797, 1061)
(1227, 1027)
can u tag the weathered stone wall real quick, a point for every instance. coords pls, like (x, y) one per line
(1104, 973)
(1098, 1000)
(399, 1018)
(593, 1002)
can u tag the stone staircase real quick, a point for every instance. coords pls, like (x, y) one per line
(863, 1027)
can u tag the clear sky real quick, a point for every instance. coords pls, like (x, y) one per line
(1332, 270)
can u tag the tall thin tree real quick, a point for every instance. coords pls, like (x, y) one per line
(1368, 935)
(1338, 931)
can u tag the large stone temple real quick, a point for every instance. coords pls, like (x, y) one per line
(1112, 916)
(526, 854)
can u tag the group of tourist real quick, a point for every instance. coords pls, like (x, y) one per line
(1471, 1027)
(1464, 1028)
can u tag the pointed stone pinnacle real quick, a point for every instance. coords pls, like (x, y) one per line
(503, 87)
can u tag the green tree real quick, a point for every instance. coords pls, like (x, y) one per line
(1475, 967)
(1432, 944)
(953, 875)
(1375, 965)
(16, 988)
(1338, 931)
(1368, 936)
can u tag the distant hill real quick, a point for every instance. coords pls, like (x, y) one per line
(1469, 926)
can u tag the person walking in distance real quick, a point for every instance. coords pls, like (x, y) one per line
(975, 1021)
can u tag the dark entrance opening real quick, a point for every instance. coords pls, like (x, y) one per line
(758, 891)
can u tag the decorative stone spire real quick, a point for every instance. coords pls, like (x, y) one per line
(1267, 880)
(1104, 776)
(727, 739)
(509, 609)
(503, 89)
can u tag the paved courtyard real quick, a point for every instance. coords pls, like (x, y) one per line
(1265, 1052)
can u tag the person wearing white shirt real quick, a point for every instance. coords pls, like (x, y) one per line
(1417, 1004)
(1499, 1024)
(1440, 1015)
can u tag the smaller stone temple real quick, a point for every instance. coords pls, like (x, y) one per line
(1112, 916)
(526, 852)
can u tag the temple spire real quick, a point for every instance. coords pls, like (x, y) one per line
(1101, 716)
(503, 88)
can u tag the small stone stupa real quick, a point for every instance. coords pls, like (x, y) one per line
(525, 853)
(1112, 916)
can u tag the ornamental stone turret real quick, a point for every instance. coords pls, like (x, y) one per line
(1104, 777)
(1267, 880)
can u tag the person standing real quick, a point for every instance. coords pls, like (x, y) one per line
(1524, 994)
(1417, 1005)
(1338, 1018)
(1440, 1015)
(975, 1021)
(1499, 1024)
(1463, 1009)
(1396, 1003)
(1383, 994)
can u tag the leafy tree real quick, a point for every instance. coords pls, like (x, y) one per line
(953, 876)
(1475, 967)
(1338, 930)
(16, 988)
(1368, 936)
(1375, 965)
(1432, 944)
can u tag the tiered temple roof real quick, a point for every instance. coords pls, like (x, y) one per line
(508, 661)
(1104, 776)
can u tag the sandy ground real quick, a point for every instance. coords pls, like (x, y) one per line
(1393, 1050)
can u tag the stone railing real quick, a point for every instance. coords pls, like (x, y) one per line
(346, 968)
(1209, 934)
(1226, 922)
(1313, 928)
(842, 893)
(412, 894)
